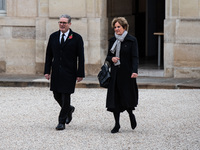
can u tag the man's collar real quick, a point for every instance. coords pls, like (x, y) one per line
(66, 33)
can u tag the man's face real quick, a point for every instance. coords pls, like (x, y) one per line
(64, 25)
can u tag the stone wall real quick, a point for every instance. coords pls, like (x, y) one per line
(182, 39)
(25, 30)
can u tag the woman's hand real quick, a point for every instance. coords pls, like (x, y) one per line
(115, 59)
(47, 76)
(134, 75)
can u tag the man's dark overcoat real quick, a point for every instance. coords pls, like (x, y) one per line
(65, 61)
(122, 92)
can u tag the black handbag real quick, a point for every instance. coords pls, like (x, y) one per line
(104, 75)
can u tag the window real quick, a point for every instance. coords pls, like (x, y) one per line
(2, 7)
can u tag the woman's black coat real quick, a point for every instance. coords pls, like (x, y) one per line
(122, 88)
(62, 60)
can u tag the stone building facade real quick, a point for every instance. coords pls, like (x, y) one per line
(25, 26)
(182, 39)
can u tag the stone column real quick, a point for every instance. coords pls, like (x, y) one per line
(97, 35)
(40, 42)
(182, 42)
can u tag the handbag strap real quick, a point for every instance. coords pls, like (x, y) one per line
(107, 63)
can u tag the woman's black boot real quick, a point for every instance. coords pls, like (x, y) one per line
(115, 129)
(132, 119)
(117, 126)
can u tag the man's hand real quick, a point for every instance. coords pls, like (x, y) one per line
(47, 76)
(134, 75)
(78, 79)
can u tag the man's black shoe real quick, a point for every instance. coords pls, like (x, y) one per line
(69, 117)
(60, 126)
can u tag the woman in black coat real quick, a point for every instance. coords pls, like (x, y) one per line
(122, 54)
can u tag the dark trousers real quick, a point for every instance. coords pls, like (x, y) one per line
(63, 100)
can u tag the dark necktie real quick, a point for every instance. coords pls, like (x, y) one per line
(62, 39)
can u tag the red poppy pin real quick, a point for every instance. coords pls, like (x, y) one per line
(71, 36)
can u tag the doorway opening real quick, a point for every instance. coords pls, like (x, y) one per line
(145, 18)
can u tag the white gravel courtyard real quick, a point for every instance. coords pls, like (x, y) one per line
(167, 120)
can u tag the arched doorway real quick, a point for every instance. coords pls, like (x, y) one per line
(145, 17)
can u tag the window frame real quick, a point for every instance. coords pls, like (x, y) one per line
(3, 9)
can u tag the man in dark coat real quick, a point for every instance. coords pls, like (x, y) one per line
(64, 65)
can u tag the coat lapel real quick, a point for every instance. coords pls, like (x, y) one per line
(58, 39)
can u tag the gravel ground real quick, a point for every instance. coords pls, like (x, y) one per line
(167, 120)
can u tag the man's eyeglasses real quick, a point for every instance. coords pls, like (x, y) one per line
(64, 23)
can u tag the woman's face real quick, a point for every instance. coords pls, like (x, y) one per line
(119, 30)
